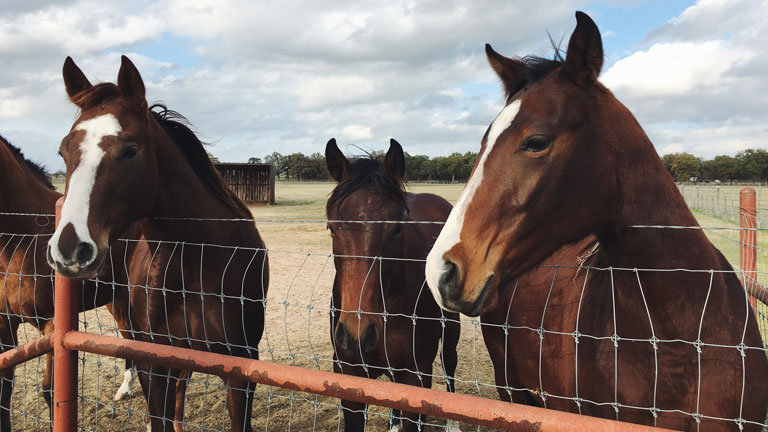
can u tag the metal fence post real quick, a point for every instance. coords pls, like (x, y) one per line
(64, 360)
(717, 201)
(748, 240)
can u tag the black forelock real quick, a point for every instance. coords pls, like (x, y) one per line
(366, 172)
(534, 70)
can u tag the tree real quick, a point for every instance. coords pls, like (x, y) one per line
(304, 167)
(254, 160)
(753, 165)
(416, 167)
(720, 168)
(280, 162)
(682, 166)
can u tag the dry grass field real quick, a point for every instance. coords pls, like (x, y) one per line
(297, 332)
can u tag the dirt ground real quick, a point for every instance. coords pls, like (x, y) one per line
(297, 332)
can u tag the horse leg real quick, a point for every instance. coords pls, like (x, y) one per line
(354, 416)
(7, 341)
(181, 392)
(413, 421)
(159, 386)
(239, 403)
(129, 376)
(449, 355)
(47, 384)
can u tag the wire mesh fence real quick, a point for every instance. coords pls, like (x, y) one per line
(298, 331)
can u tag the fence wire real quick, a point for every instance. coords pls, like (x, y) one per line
(298, 332)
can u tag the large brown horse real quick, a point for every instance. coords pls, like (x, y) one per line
(192, 282)
(26, 281)
(379, 282)
(657, 328)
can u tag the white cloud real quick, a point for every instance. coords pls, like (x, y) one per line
(700, 85)
(667, 69)
(258, 77)
(356, 132)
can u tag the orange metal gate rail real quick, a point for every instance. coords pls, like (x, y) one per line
(461, 407)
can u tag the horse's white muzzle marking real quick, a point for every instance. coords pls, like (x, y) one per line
(450, 235)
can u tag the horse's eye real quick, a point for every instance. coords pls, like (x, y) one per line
(535, 144)
(129, 153)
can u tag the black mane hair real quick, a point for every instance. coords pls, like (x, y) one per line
(175, 125)
(366, 171)
(38, 170)
(534, 70)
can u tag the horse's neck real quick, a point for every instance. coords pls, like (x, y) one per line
(22, 192)
(648, 196)
(181, 194)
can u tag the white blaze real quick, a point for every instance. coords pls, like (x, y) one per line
(451, 232)
(77, 202)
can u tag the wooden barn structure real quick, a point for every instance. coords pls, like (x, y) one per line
(251, 182)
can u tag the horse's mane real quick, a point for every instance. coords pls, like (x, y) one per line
(364, 172)
(533, 70)
(175, 125)
(37, 170)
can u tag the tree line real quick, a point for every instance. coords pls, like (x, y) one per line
(298, 166)
(747, 166)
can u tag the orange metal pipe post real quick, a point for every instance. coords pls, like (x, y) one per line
(64, 360)
(461, 407)
(748, 241)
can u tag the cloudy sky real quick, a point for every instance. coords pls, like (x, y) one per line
(287, 75)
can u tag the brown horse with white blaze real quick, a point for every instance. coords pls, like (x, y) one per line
(130, 165)
(379, 281)
(631, 336)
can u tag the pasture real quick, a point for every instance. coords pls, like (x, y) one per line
(297, 332)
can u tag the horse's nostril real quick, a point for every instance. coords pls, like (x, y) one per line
(49, 255)
(450, 276)
(369, 340)
(341, 337)
(84, 253)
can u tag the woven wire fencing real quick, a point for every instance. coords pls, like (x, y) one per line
(297, 332)
(718, 209)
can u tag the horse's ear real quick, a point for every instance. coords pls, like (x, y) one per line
(394, 161)
(130, 82)
(585, 52)
(74, 79)
(506, 68)
(335, 160)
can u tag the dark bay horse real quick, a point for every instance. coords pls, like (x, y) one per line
(657, 328)
(26, 281)
(376, 297)
(192, 282)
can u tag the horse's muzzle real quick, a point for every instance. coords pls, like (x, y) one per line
(84, 263)
(451, 287)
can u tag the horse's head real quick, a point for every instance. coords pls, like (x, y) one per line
(111, 172)
(534, 186)
(367, 190)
